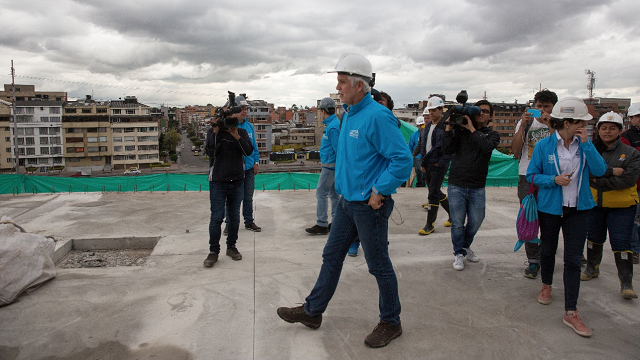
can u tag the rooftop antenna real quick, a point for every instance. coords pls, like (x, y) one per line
(591, 78)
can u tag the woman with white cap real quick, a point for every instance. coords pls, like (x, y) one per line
(560, 166)
(616, 199)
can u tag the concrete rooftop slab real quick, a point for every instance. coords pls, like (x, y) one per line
(174, 308)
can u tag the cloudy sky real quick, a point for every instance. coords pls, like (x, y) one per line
(191, 52)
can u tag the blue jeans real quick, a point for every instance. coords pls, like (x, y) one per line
(221, 194)
(247, 197)
(325, 191)
(353, 219)
(465, 204)
(635, 235)
(574, 231)
(619, 222)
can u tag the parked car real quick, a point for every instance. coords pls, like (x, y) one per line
(133, 171)
(196, 153)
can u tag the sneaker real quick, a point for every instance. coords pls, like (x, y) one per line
(448, 223)
(297, 314)
(531, 271)
(318, 230)
(544, 297)
(458, 264)
(636, 258)
(427, 230)
(211, 259)
(471, 256)
(353, 250)
(383, 334)
(225, 231)
(573, 321)
(252, 227)
(234, 254)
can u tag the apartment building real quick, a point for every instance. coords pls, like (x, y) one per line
(28, 92)
(505, 119)
(259, 114)
(87, 135)
(6, 160)
(134, 134)
(39, 135)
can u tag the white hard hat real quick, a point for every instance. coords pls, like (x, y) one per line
(327, 103)
(240, 101)
(571, 108)
(425, 112)
(634, 109)
(420, 120)
(434, 102)
(610, 117)
(353, 64)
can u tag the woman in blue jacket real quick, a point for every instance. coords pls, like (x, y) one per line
(560, 166)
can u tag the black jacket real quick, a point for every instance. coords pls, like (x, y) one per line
(471, 155)
(225, 155)
(435, 155)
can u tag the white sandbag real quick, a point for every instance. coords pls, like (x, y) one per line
(25, 261)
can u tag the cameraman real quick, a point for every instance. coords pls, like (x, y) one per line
(471, 145)
(225, 145)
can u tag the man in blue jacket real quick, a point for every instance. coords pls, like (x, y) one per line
(251, 162)
(372, 161)
(328, 149)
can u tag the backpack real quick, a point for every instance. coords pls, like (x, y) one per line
(527, 223)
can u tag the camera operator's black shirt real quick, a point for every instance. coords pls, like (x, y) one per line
(226, 154)
(471, 155)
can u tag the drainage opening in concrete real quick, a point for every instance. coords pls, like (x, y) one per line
(106, 252)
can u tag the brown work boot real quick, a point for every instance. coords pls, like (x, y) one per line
(297, 314)
(544, 297)
(211, 259)
(234, 253)
(383, 334)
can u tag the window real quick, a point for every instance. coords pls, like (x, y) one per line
(92, 139)
(86, 111)
(44, 119)
(74, 150)
(130, 148)
(44, 141)
(56, 150)
(102, 129)
(101, 110)
(129, 138)
(92, 130)
(7, 139)
(73, 159)
(54, 119)
(70, 110)
(117, 139)
(92, 149)
(147, 138)
(74, 130)
(129, 130)
(32, 161)
(54, 110)
(43, 161)
(28, 131)
(130, 111)
(57, 160)
(117, 148)
(56, 140)
(54, 131)
(116, 111)
(43, 131)
(31, 151)
(29, 141)
(44, 151)
(96, 158)
(116, 130)
(75, 140)
(102, 138)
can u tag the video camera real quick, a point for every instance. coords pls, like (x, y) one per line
(455, 114)
(226, 122)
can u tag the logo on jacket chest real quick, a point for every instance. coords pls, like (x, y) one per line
(623, 157)
(551, 159)
(353, 133)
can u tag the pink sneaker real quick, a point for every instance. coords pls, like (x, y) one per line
(573, 321)
(544, 297)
